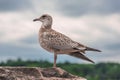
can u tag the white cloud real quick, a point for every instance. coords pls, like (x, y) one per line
(88, 28)
(15, 26)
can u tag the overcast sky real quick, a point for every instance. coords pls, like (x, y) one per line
(95, 23)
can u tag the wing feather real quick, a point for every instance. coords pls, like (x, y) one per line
(60, 41)
(80, 55)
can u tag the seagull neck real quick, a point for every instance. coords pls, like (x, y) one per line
(46, 25)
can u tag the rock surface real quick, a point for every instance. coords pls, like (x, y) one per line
(35, 73)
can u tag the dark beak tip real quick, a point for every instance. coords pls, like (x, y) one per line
(35, 20)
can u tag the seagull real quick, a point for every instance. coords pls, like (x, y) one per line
(58, 43)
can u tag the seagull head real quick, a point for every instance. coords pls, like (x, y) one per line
(45, 19)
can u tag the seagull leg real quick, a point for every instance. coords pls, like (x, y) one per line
(55, 58)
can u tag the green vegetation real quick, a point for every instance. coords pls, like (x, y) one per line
(100, 71)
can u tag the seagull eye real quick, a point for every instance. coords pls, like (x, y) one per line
(44, 16)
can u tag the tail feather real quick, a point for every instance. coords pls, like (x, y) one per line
(92, 49)
(80, 55)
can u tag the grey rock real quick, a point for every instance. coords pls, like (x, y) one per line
(36, 73)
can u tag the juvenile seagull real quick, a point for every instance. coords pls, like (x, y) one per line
(59, 43)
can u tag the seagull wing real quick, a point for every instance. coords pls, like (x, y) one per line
(60, 41)
(80, 55)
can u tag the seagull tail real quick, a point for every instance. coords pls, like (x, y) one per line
(92, 49)
(80, 55)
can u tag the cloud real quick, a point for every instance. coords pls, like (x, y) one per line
(32, 39)
(14, 51)
(14, 5)
(82, 7)
(15, 26)
(115, 46)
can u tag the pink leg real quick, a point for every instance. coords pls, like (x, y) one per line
(55, 58)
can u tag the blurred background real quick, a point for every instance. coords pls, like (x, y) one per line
(95, 23)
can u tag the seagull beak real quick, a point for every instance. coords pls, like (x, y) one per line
(36, 19)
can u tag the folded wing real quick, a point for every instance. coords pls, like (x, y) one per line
(80, 55)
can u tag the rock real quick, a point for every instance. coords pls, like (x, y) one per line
(36, 73)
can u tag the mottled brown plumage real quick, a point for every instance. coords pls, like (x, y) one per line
(58, 43)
